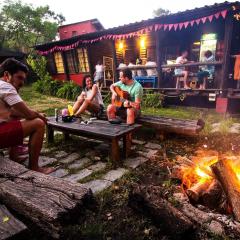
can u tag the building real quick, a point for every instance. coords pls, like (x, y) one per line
(79, 28)
(215, 28)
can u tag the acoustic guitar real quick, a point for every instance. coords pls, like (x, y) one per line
(121, 97)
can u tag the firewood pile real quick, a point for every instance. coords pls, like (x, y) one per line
(208, 196)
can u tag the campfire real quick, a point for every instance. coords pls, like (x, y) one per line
(212, 180)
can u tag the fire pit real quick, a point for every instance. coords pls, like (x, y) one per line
(212, 180)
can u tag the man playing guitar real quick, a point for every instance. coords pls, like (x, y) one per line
(130, 108)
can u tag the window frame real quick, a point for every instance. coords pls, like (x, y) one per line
(85, 60)
(56, 63)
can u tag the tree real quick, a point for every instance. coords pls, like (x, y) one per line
(161, 12)
(22, 26)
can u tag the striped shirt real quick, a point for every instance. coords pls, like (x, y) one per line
(8, 97)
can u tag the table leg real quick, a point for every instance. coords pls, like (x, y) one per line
(115, 153)
(126, 145)
(66, 136)
(50, 134)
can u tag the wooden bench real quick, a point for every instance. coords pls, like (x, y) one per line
(47, 201)
(98, 129)
(172, 125)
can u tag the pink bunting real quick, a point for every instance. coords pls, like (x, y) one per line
(224, 13)
(175, 26)
(180, 25)
(210, 18)
(170, 26)
(165, 26)
(185, 24)
(197, 21)
(203, 19)
(216, 15)
(192, 22)
(150, 28)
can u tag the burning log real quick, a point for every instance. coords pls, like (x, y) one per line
(197, 190)
(148, 201)
(230, 183)
(212, 196)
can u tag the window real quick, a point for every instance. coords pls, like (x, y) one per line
(71, 61)
(83, 59)
(74, 33)
(51, 67)
(59, 62)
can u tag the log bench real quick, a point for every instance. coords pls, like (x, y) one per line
(172, 125)
(49, 202)
(98, 129)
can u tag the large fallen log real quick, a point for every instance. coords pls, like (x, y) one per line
(147, 200)
(225, 174)
(10, 227)
(47, 201)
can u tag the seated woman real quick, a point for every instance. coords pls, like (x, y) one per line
(206, 71)
(90, 99)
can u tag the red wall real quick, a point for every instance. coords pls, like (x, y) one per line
(77, 78)
(81, 28)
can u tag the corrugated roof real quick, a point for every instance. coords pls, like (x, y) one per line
(127, 28)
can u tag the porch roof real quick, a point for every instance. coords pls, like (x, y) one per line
(187, 15)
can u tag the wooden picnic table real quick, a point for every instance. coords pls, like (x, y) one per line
(97, 129)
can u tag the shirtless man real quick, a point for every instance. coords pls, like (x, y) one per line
(17, 120)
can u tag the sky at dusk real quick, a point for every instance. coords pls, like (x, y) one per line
(112, 13)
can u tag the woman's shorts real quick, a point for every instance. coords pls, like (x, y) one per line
(11, 134)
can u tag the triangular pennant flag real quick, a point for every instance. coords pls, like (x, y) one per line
(203, 19)
(224, 13)
(165, 26)
(216, 15)
(150, 28)
(175, 26)
(210, 18)
(185, 24)
(156, 27)
(192, 22)
(197, 21)
(180, 25)
(170, 26)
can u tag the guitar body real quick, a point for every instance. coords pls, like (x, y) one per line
(121, 97)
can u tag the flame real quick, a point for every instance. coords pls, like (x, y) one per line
(201, 171)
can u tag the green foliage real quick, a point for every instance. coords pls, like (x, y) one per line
(69, 91)
(154, 100)
(23, 26)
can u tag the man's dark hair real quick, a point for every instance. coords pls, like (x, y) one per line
(84, 80)
(127, 73)
(12, 66)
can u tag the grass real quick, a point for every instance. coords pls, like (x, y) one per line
(42, 103)
(47, 104)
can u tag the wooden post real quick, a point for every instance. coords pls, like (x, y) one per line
(50, 134)
(114, 61)
(66, 70)
(159, 39)
(227, 49)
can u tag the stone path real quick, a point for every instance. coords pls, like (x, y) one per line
(90, 166)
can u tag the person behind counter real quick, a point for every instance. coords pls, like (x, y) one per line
(206, 71)
(180, 71)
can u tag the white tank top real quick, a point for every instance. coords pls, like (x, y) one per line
(98, 97)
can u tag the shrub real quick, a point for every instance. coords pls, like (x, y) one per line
(154, 100)
(69, 90)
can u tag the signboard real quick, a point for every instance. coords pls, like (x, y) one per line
(108, 71)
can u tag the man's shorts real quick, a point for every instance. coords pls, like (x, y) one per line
(122, 112)
(11, 134)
